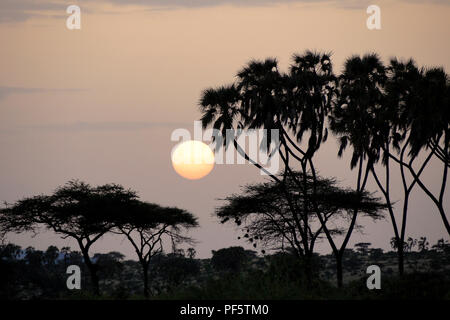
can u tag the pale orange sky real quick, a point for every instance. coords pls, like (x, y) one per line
(100, 103)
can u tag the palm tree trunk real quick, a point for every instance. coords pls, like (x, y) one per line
(339, 271)
(401, 258)
(444, 218)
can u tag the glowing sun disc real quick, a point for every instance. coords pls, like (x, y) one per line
(193, 159)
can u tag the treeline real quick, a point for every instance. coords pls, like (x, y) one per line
(231, 273)
(34, 274)
(394, 117)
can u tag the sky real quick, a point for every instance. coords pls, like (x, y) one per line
(99, 104)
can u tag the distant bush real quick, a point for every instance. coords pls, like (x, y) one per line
(230, 259)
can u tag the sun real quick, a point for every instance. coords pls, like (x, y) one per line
(193, 160)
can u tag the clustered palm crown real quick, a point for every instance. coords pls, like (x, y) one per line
(265, 98)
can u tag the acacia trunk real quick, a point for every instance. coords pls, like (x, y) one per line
(308, 271)
(93, 273)
(95, 281)
(145, 276)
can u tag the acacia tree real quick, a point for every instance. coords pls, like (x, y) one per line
(231, 259)
(263, 213)
(75, 210)
(148, 225)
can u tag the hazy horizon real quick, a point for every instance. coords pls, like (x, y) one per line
(99, 104)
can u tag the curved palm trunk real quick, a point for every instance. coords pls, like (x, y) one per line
(400, 248)
(444, 218)
(338, 253)
(386, 192)
(401, 258)
(339, 271)
(400, 234)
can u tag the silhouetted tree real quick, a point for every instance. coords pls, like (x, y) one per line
(9, 270)
(146, 225)
(360, 96)
(175, 269)
(410, 244)
(76, 210)
(429, 125)
(263, 213)
(109, 264)
(362, 247)
(400, 130)
(395, 244)
(375, 254)
(442, 246)
(191, 253)
(295, 103)
(230, 259)
(423, 244)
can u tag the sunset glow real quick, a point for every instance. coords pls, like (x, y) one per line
(193, 160)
